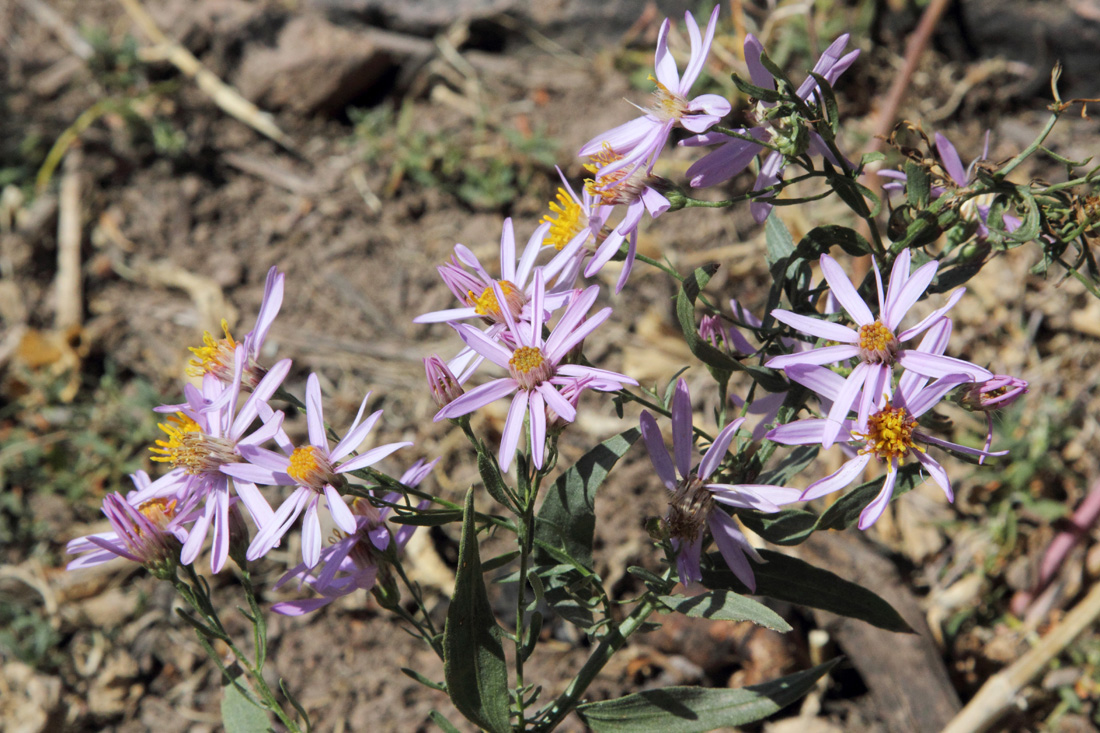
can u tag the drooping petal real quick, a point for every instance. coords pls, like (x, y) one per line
(658, 456)
(935, 470)
(717, 451)
(681, 428)
(846, 474)
(734, 547)
(311, 534)
(477, 398)
(513, 429)
(537, 425)
(874, 510)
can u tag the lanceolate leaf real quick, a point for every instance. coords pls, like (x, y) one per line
(698, 709)
(725, 605)
(786, 578)
(241, 715)
(473, 658)
(566, 521)
(567, 517)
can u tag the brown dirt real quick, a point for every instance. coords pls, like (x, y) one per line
(172, 244)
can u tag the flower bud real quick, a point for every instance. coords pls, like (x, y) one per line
(238, 537)
(993, 394)
(442, 382)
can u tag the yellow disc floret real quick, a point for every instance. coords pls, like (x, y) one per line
(190, 449)
(529, 367)
(566, 219)
(486, 305)
(311, 468)
(215, 356)
(877, 343)
(159, 511)
(667, 105)
(889, 434)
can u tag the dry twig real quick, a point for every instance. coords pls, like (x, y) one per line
(226, 97)
(1002, 688)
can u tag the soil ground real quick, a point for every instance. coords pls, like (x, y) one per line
(181, 211)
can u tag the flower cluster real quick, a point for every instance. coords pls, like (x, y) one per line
(215, 445)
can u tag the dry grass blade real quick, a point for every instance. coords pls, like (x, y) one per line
(1001, 689)
(226, 97)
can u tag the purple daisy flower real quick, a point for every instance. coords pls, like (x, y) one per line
(891, 435)
(205, 435)
(315, 470)
(216, 356)
(640, 141)
(736, 153)
(693, 500)
(477, 290)
(352, 562)
(150, 532)
(877, 344)
(536, 371)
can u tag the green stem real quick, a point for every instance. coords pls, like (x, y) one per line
(195, 595)
(1026, 152)
(612, 642)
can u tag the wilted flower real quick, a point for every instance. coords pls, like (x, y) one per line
(150, 533)
(974, 209)
(536, 371)
(314, 468)
(216, 356)
(692, 507)
(891, 434)
(791, 136)
(875, 344)
(353, 560)
(638, 143)
(992, 394)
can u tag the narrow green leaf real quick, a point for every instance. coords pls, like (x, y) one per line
(786, 578)
(761, 93)
(777, 240)
(787, 527)
(828, 98)
(428, 518)
(818, 240)
(800, 457)
(918, 186)
(241, 715)
(698, 709)
(423, 680)
(473, 658)
(725, 605)
(444, 724)
(499, 561)
(490, 476)
(567, 517)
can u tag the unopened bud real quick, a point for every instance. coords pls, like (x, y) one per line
(238, 537)
(442, 382)
(993, 394)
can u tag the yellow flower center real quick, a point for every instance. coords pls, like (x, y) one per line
(486, 305)
(667, 105)
(688, 509)
(215, 355)
(529, 367)
(877, 344)
(311, 468)
(190, 449)
(159, 511)
(615, 187)
(567, 219)
(889, 434)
